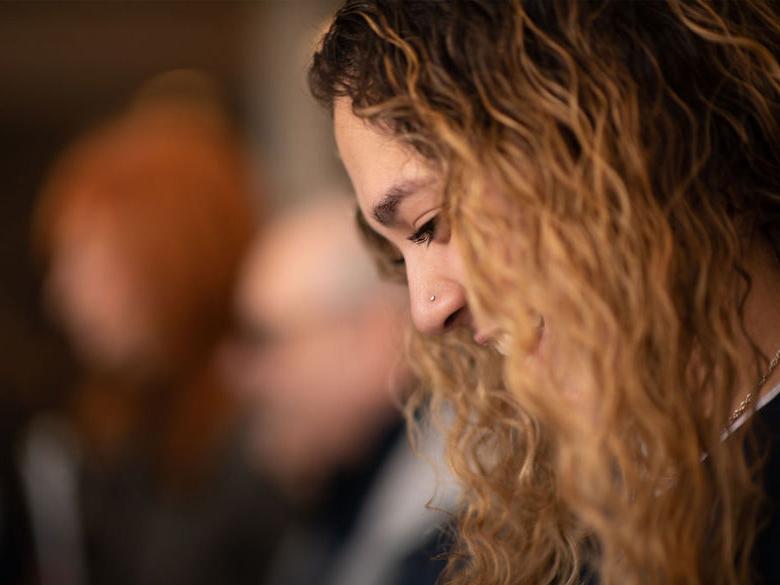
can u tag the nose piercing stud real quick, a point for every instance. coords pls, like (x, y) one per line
(433, 298)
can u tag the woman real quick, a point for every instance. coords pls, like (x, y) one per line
(144, 223)
(585, 201)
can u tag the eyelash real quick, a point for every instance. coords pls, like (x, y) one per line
(426, 233)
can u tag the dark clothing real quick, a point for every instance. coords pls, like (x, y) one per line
(767, 548)
(424, 565)
(16, 545)
(322, 542)
(120, 524)
(223, 530)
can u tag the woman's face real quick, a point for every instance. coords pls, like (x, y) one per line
(400, 198)
(97, 297)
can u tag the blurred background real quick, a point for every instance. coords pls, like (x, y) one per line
(200, 373)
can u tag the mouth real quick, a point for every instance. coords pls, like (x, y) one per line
(494, 338)
(484, 337)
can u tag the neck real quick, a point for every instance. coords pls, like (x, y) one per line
(762, 307)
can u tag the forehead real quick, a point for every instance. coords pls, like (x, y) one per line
(374, 159)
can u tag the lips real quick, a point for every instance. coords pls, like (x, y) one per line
(484, 337)
(499, 342)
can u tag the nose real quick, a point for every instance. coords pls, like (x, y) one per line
(435, 304)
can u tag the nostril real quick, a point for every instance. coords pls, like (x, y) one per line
(450, 321)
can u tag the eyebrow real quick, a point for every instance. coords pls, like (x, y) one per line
(386, 210)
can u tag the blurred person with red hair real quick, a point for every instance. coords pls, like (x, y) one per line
(143, 224)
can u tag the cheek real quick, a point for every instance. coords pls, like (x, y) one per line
(465, 260)
(495, 255)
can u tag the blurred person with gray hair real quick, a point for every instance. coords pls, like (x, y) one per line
(319, 366)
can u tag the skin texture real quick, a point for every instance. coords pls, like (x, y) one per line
(376, 163)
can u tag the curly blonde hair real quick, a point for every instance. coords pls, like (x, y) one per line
(606, 162)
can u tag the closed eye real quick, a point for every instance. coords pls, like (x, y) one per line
(426, 233)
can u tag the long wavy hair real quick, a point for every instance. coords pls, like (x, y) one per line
(606, 162)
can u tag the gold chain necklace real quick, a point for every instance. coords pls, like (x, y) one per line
(740, 410)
